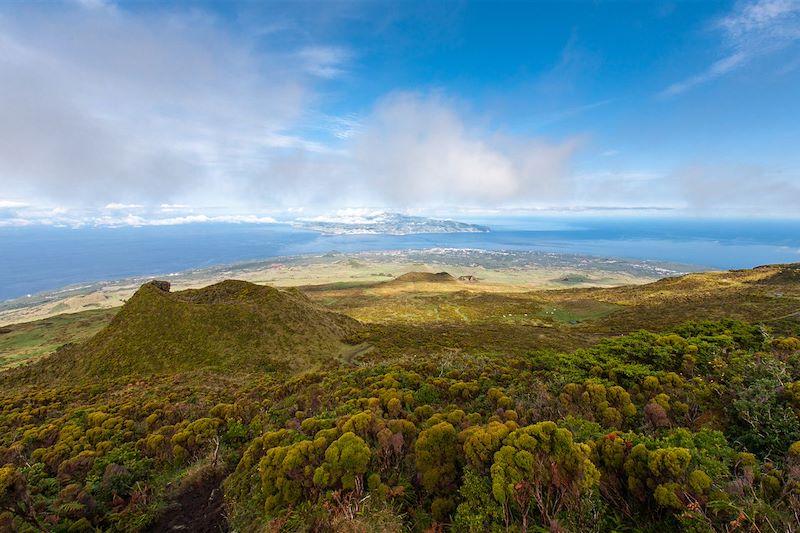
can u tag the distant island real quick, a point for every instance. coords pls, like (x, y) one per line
(385, 224)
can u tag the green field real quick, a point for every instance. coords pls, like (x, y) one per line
(27, 342)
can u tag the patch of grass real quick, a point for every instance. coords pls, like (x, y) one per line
(339, 285)
(33, 340)
(573, 279)
(578, 311)
(424, 305)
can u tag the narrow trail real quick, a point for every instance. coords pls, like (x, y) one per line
(198, 507)
(790, 315)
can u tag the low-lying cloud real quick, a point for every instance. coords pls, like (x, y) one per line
(106, 107)
(114, 116)
(752, 189)
(417, 149)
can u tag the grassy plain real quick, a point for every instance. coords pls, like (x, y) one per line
(516, 310)
(32, 340)
(502, 271)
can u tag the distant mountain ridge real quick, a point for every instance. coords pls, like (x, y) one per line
(385, 224)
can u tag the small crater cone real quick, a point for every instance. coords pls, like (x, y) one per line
(425, 277)
(232, 325)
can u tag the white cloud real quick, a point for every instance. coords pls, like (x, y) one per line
(323, 61)
(418, 150)
(133, 220)
(723, 66)
(350, 215)
(344, 127)
(60, 216)
(763, 24)
(95, 4)
(150, 105)
(170, 110)
(756, 189)
(174, 208)
(12, 204)
(752, 29)
(173, 108)
(114, 206)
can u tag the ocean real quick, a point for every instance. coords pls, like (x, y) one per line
(42, 258)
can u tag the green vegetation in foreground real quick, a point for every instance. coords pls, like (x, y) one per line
(445, 424)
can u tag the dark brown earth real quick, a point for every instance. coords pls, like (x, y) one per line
(197, 505)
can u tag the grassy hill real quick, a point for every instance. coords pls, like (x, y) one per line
(424, 277)
(231, 325)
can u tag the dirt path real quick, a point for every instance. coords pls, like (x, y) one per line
(790, 315)
(197, 507)
(350, 352)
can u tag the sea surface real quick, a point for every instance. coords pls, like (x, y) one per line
(40, 258)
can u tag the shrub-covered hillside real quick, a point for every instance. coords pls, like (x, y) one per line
(694, 427)
(229, 325)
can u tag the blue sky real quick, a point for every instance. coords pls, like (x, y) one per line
(131, 112)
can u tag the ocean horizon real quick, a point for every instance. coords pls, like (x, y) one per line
(45, 258)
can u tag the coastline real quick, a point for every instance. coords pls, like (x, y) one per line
(495, 270)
